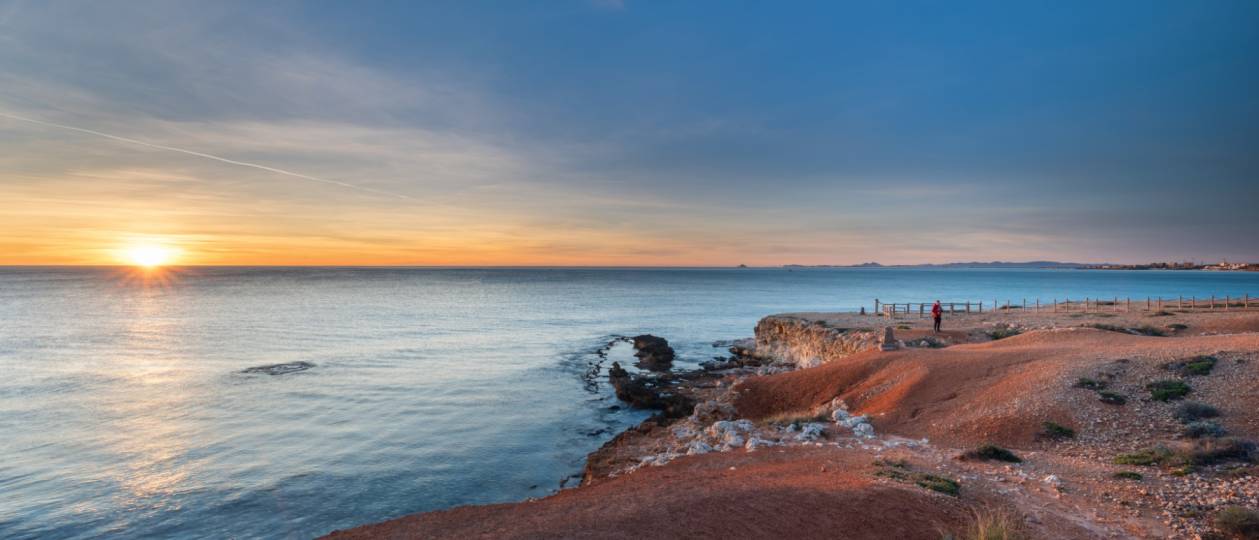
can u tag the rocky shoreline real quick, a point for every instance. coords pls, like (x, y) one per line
(1051, 424)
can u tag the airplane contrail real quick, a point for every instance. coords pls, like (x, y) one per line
(204, 155)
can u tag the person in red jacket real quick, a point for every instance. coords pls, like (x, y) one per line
(936, 313)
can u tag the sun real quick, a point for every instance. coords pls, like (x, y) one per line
(150, 255)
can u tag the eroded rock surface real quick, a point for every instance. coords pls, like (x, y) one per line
(649, 393)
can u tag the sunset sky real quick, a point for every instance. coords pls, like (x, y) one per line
(628, 133)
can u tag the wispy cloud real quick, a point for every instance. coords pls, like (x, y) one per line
(204, 155)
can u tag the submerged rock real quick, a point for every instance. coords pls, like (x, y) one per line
(280, 369)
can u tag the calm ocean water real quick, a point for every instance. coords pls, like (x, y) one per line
(124, 411)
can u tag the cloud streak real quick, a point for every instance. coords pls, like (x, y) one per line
(204, 155)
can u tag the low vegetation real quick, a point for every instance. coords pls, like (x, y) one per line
(1112, 398)
(1128, 475)
(991, 452)
(1202, 452)
(1224, 449)
(1149, 456)
(1238, 522)
(1090, 384)
(1204, 428)
(901, 472)
(992, 525)
(1192, 411)
(1193, 367)
(1162, 313)
(1168, 390)
(796, 417)
(1002, 332)
(1139, 331)
(1055, 431)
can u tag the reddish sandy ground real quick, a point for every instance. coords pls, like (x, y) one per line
(957, 397)
(1001, 391)
(804, 493)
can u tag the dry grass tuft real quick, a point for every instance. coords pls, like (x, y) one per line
(991, 524)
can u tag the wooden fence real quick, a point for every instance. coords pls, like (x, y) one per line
(1085, 305)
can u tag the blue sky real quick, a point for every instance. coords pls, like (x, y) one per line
(632, 132)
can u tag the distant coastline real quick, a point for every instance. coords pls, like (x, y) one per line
(1217, 267)
(973, 264)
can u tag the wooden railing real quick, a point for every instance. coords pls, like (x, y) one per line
(1087, 305)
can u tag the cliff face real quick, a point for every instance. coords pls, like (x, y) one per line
(807, 343)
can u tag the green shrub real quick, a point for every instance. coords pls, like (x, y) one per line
(1085, 382)
(1052, 430)
(1128, 475)
(1196, 366)
(1201, 453)
(992, 452)
(1201, 365)
(1168, 390)
(1239, 522)
(1191, 411)
(1203, 428)
(900, 471)
(1002, 332)
(947, 486)
(1140, 330)
(1163, 313)
(1111, 398)
(1213, 451)
(1149, 456)
(1176, 327)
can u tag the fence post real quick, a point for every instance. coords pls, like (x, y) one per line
(1147, 303)
(1213, 302)
(968, 306)
(1226, 302)
(1180, 300)
(1193, 302)
(1037, 305)
(1128, 305)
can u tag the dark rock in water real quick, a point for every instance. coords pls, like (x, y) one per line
(745, 348)
(641, 392)
(280, 369)
(654, 353)
(718, 364)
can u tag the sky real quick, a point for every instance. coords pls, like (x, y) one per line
(628, 133)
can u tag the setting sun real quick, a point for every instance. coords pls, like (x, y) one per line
(150, 256)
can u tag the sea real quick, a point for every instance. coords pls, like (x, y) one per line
(141, 404)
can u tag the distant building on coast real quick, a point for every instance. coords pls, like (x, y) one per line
(1186, 265)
